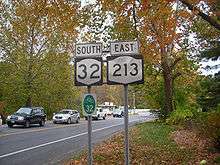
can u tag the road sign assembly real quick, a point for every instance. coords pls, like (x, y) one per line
(88, 72)
(124, 66)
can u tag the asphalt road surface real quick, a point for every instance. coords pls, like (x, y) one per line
(55, 143)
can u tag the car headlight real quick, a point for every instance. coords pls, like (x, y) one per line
(8, 118)
(20, 118)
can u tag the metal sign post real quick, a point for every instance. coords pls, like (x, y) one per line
(89, 134)
(126, 124)
(89, 108)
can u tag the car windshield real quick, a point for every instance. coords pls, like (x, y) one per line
(116, 110)
(24, 110)
(64, 112)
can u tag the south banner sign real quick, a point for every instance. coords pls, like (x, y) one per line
(88, 49)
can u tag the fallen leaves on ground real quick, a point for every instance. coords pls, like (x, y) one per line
(186, 148)
(199, 145)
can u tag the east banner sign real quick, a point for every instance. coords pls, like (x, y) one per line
(124, 48)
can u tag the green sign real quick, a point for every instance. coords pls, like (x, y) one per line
(89, 104)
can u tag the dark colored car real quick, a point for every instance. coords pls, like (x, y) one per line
(27, 116)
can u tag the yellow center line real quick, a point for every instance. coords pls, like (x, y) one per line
(38, 130)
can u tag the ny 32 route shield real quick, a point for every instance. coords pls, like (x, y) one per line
(125, 70)
(88, 71)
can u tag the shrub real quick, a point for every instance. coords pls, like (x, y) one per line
(179, 117)
(208, 124)
(214, 124)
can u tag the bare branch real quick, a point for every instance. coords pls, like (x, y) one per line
(39, 50)
(204, 16)
(175, 62)
(176, 75)
(135, 20)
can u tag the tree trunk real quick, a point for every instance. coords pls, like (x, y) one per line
(168, 86)
(29, 102)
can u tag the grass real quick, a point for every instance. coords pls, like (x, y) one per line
(217, 160)
(100, 158)
(156, 134)
(161, 149)
(150, 143)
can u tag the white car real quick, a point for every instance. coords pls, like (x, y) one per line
(107, 111)
(100, 114)
(118, 112)
(66, 116)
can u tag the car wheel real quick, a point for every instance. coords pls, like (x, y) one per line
(27, 124)
(122, 114)
(54, 122)
(98, 117)
(42, 123)
(77, 120)
(69, 121)
(10, 125)
(104, 117)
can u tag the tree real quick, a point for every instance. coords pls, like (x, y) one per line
(36, 44)
(209, 98)
(157, 25)
(208, 32)
(32, 29)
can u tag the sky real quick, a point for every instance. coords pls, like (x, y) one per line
(210, 63)
(84, 2)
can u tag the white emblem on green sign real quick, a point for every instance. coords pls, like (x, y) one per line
(89, 104)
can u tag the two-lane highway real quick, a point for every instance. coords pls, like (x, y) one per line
(54, 143)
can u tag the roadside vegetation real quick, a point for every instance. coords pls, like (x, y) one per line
(155, 143)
